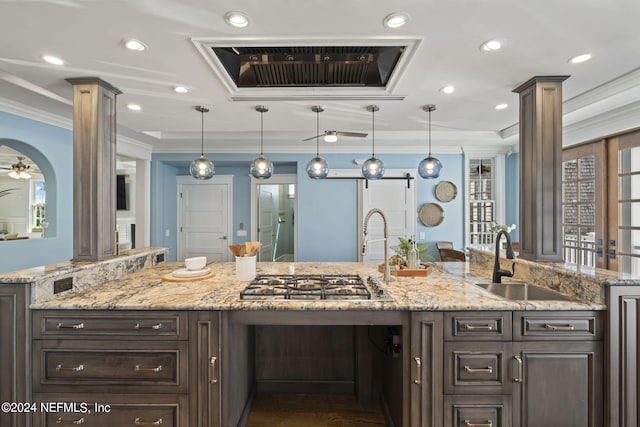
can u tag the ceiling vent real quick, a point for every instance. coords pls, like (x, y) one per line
(309, 66)
(332, 68)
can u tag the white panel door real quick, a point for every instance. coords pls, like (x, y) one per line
(204, 221)
(397, 202)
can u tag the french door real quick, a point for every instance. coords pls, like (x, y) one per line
(601, 203)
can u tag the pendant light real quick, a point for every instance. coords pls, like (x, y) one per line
(317, 168)
(429, 166)
(202, 168)
(373, 168)
(261, 168)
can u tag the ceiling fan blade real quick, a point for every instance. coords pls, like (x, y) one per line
(8, 169)
(355, 134)
(313, 137)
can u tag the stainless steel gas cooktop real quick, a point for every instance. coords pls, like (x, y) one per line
(314, 287)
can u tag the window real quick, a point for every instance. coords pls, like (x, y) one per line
(38, 207)
(482, 200)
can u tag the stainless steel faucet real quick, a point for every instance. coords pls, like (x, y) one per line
(387, 272)
(497, 272)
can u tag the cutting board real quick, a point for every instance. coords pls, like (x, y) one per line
(171, 278)
(406, 272)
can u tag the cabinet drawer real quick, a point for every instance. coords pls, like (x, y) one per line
(127, 366)
(477, 367)
(127, 325)
(113, 410)
(567, 325)
(477, 411)
(477, 326)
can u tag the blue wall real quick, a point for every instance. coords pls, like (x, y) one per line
(327, 213)
(51, 148)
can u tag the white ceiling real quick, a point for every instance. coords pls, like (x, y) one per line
(539, 37)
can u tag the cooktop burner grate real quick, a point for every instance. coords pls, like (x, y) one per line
(310, 287)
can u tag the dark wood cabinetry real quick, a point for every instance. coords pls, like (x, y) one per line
(204, 369)
(425, 370)
(623, 356)
(545, 369)
(135, 364)
(14, 351)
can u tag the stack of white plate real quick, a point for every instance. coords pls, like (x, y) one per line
(185, 272)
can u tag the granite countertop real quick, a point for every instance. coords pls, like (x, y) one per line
(448, 287)
(34, 274)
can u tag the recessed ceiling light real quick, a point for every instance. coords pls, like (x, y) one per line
(501, 106)
(447, 89)
(490, 45)
(134, 107)
(136, 45)
(396, 20)
(236, 19)
(53, 60)
(180, 89)
(580, 58)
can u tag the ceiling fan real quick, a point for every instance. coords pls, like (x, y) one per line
(19, 169)
(332, 135)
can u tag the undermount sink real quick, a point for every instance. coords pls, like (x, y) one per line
(523, 292)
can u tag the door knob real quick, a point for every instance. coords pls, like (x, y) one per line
(223, 238)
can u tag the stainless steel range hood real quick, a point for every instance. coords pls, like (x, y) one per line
(309, 66)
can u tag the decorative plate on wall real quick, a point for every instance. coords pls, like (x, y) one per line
(446, 191)
(431, 214)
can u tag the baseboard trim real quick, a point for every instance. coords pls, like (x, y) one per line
(309, 387)
(386, 412)
(244, 416)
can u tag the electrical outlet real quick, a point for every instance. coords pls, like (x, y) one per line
(241, 233)
(167, 232)
(422, 235)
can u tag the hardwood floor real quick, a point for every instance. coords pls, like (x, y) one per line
(297, 410)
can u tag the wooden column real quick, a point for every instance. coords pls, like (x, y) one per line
(94, 166)
(541, 168)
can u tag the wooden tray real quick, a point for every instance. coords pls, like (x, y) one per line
(421, 272)
(171, 278)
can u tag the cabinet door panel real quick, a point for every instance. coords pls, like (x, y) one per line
(425, 369)
(204, 373)
(560, 385)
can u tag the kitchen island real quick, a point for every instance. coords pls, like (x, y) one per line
(441, 351)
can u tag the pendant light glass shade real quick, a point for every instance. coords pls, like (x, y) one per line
(202, 168)
(429, 167)
(373, 168)
(261, 168)
(317, 168)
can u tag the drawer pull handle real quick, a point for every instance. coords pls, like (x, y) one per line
(518, 379)
(212, 370)
(69, 422)
(468, 423)
(155, 326)
(139, 368)
(61, 368)
(488, 369)
(418, 370)
(567, 327)
(61, 325)
(485, 327)
(139, 422)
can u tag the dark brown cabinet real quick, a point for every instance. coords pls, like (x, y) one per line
(204, 369)
(544, 369)
(425, 369)
(111, 368)
(623, 356)
(14, 342)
